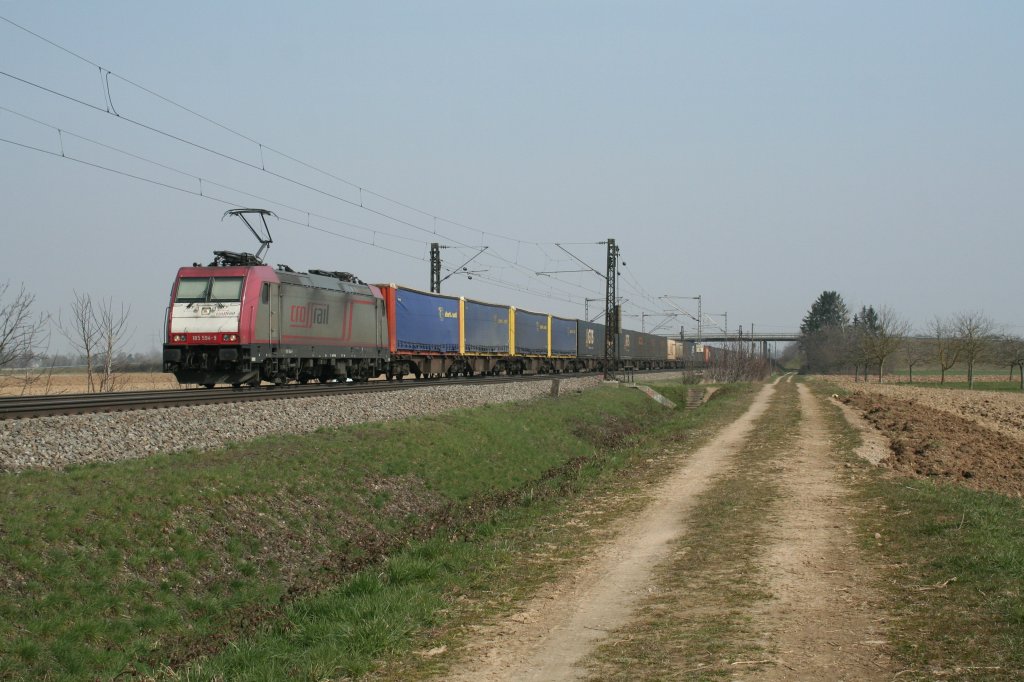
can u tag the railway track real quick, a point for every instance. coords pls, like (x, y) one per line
(22, 407)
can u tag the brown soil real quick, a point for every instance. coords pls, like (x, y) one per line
(970, 438)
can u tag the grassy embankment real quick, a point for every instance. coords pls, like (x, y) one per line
(317, 556)
(953, 570)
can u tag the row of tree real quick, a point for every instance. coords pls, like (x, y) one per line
(737, 361)
(831, 340)
(96, 330)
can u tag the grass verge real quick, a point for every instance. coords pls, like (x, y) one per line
(696, 624)
(307, 557)
(953, 571)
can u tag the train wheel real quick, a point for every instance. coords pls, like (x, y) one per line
(208, 385)
(236, 385)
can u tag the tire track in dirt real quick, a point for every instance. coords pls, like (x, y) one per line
(823, 622)
(561, 625)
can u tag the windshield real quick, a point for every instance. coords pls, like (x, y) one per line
(226, 289)
(192, 289)
(203, 289)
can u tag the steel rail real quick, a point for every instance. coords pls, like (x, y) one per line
(21, 407)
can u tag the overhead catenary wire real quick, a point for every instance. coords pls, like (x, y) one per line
(110, 109)
(197, 193)
(106, 73)
(252, 166)
(206, 195)
(200, 179)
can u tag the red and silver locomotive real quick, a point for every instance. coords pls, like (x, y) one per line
(238, 321)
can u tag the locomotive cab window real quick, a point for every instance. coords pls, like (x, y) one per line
(204, 289)
(226, 289)
(192, 289)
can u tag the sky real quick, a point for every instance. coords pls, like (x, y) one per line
(752, 153)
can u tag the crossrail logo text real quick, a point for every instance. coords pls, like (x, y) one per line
(305, 316)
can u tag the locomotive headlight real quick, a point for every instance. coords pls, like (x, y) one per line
(230, 337)
(178, 338)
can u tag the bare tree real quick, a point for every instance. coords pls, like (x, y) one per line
(1010, 350)
(946, 345)
(916, 351)
(113, 336)
(884, 337)
(22, 333)
(20, 330)
(98, 333)
(976, 334)
(81, 332)
(737, 362)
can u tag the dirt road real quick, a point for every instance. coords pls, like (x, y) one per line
(819, 622)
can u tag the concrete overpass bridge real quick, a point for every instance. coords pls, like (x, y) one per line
(749, 338)
(758, 341)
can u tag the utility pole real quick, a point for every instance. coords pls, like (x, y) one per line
(611, 318)
(700, 321)
(435, 268)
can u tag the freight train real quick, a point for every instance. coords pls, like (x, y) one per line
(239, 321)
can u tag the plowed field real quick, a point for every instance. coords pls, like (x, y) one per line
(973, 438)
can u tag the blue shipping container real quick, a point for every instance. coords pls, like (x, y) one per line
(658, 348)
(426, 322)
(531, 333)
(589, 339)
(636, 345)
(628, 344)
(563, 336)
(486, 327)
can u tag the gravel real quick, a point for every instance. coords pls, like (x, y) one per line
(57, 442)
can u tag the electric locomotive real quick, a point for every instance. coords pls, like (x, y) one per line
(239, 321)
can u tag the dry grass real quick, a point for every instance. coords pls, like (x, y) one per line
(13, 384)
